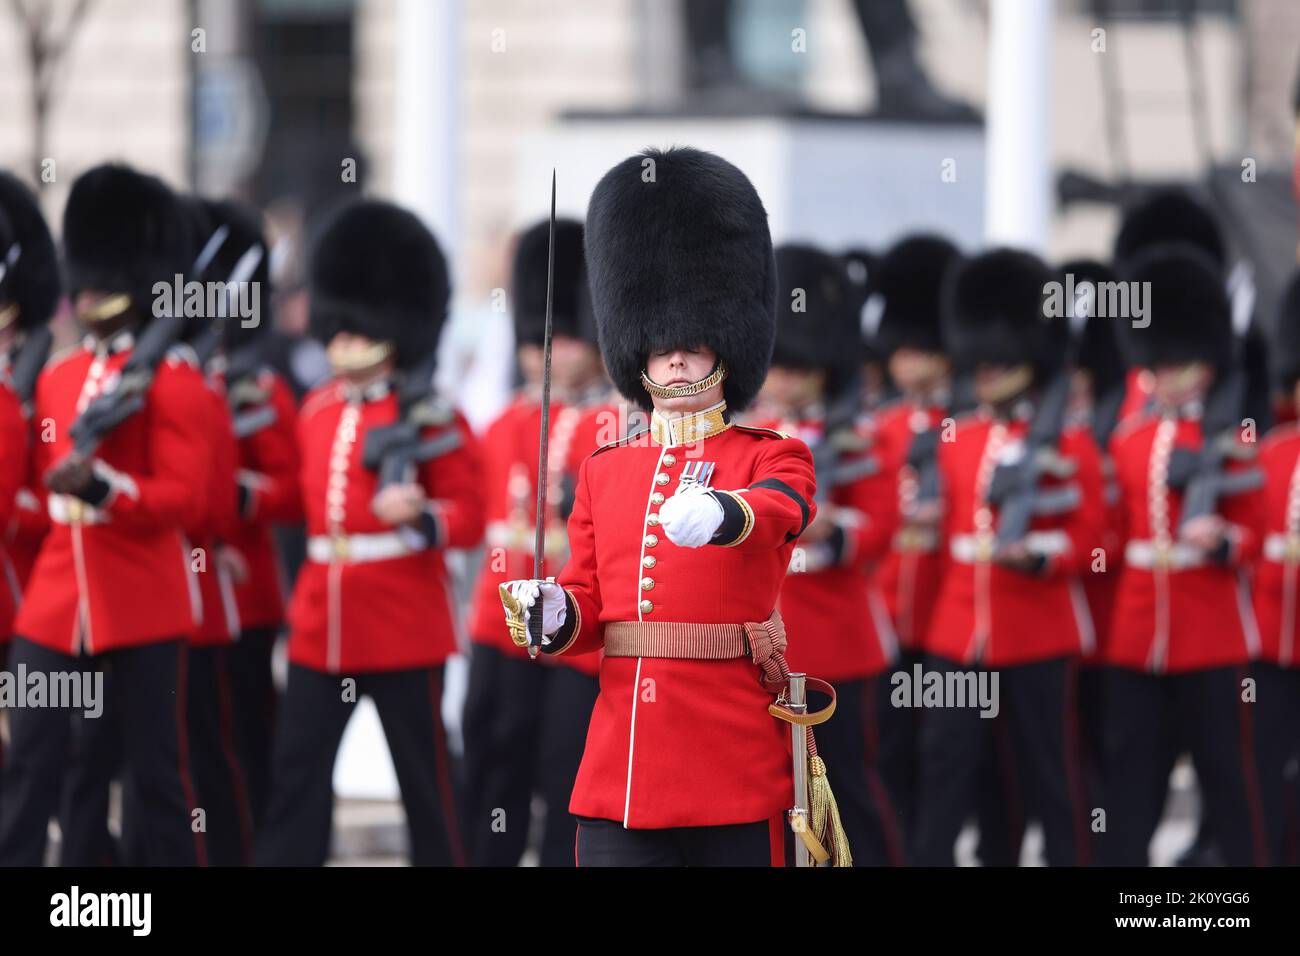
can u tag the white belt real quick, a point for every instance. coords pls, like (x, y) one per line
(966, 547)
(521, 537)
(67, 509)
(1282, 547)
(358, 548)
(914, 539)
(1176, 556)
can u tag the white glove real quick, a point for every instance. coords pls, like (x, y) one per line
(691, 517)
(526, 591)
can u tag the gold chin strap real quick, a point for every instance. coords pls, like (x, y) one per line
(109, 307)
(358, 359)
(8, 314)
(684, 391)
(1011, 384)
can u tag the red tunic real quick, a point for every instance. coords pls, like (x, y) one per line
(352, 612)
(834, 615)
(995, 615)
(219, 615)
(682, 742)
(909, 575)
(1178, 617)
(268, 473)
(118, 576)
(1277, 574)
(14, 454)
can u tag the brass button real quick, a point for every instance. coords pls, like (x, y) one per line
(649, 561)
(661, 479)
(646, 607)
(657, 498)
(652, 521)
(340, 547)
(651, 540)
(647, 584)
(669, 460)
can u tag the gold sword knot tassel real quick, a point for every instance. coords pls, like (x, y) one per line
(516, 617)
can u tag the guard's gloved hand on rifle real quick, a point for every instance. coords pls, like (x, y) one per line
(76, 476)
(1018, 557)
(529, 592)
(1212, 534)
(691, 517)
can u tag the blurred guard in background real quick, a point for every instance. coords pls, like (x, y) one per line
(1277, 593)
(907, 282)
(524, 724)
(1182, 629)
(1013, 607)
(117, 534)
(841, 630)
(371, 610)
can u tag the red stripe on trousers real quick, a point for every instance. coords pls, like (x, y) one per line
(1250, 776)
(225, 712)
(449, 819)
(183, 750)
(879, 795)
(1073, 779)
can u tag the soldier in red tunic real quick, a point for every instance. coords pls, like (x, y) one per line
(812, 393)
(1009, 607)
(29, 292)
(524, 725)
(117, 532)
(681, 535)
(372, 609)
(1182, 629)
(1276, 592)
(906, 285)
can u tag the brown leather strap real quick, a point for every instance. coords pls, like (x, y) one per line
(781, 711)
(763, 642)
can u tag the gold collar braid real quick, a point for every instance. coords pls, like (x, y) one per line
(684, 391)
(8, 313)
(692, 427)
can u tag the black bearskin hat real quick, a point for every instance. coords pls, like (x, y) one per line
(1168, 215)
(994, 313)
(32, 281)
(124, 231)
(1099, 349)
(377, 271)
(679, 255)
(816, 324)
(1189, 316)
(244, 245)
(1287, 338)
(571, 306)
(908, 280)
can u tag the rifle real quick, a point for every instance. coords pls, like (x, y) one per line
(1202, 472)
(112, 408)
(923, 453)
(1015, 487)
(27, 364)
(840, 436)
(394, 450)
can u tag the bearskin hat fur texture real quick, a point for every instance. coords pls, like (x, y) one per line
(816, 324)
(1190, 318)
(1168, 215)
(679, 255)
(1099, 349)
(1287, 337)
(123, 231)
(909, 278)
(993, 313)
(571, 305)
(33, 280)
(377, 271)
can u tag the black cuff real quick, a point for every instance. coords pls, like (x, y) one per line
(95, 492)
(835, 543)
(243, 500)
(427, 525)
(1222, 552)
(564, 636)
(734, 520)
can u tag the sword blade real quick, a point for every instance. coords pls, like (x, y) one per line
(543, 455)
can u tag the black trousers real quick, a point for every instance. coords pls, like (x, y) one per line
(525, 726)
(850, 746)
(313, 716)
(608, 843)
(900, 747)
(1277, 738)
(1037, 703)
(218, 773)
(254, 707)
(149, 690)
(1146, 716)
